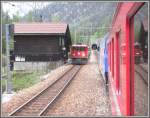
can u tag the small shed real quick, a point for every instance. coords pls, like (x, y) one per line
(41, 41)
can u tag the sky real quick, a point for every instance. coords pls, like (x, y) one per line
(22, 7)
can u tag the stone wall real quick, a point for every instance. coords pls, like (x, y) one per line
(37, 66)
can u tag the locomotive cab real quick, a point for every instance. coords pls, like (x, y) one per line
(79, 54)
(137, 53)
(94, 46)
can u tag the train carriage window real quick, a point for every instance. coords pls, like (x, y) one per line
(141, 61)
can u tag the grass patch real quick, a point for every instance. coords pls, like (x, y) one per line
(3, 87)
(22, 80)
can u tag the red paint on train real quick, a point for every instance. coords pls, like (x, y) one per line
(121, 54)
(79, 54)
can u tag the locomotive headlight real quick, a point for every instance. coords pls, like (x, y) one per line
(83, 54)
(63, 48)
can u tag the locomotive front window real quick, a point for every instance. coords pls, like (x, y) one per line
(79, 48)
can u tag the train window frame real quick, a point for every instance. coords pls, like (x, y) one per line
(130, 29)
(130, 23)
(113, 58)
(117, 62)
(110, 56)
(132, 59)
(109, 53)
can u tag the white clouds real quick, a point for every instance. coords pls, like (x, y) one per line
(22, 7)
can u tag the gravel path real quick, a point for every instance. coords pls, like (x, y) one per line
(85, 96)
(23, 95)
(141, 96)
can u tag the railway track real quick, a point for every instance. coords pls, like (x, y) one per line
(142, 73)
(39, 103)
(146, 71)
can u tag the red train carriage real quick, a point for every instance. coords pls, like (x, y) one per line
(129, 96)
(79, 54)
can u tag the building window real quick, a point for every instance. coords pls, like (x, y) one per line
(61, 41)
(19, 58)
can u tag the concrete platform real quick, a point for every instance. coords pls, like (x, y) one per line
(6, 97)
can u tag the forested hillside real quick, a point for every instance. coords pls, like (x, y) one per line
(87, 20)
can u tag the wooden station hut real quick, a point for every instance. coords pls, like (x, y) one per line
(41, 42)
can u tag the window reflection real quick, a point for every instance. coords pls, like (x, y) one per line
(141, 61)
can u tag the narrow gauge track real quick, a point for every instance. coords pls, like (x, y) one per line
(142, 73)
(38, 104)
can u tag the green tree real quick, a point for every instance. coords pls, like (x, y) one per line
(16, 17)
(5, 20)
(30, 16)
(55, 18)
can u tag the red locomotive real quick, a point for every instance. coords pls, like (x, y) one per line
(138, 53)
(122, 57)
(79, 54)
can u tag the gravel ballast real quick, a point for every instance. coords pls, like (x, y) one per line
(85, 96)
(23, 95)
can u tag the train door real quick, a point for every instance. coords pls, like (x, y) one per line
(139, 62)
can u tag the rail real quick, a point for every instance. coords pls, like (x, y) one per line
(38, 104)
(142, 73)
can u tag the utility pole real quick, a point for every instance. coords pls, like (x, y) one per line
(9, 82)
(75, 36)
(91, 34)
